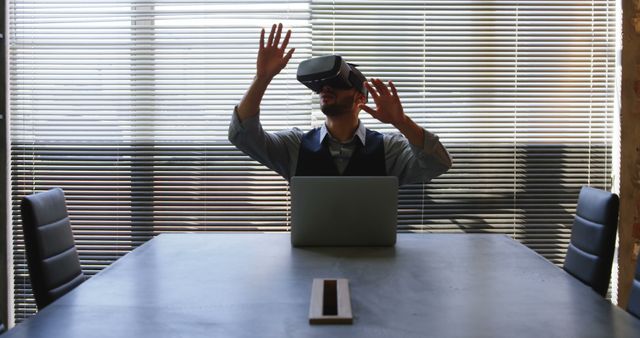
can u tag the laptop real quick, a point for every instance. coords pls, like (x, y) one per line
(344, 210)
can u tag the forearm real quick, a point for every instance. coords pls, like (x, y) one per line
(415, 164)
(413, 132)
(429, 144)
(275, 150)
(250, 104)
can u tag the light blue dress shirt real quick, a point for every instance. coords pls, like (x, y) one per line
(279, 150)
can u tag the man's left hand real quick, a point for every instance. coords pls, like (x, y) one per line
(389, 110)
(388, 106)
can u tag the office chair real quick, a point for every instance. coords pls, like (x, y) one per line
(590, 253)
(54, 266)
(634, 300)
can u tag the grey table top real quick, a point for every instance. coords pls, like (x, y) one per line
(257, 285)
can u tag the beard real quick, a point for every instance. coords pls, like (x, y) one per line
(338, 108)
(333, 109)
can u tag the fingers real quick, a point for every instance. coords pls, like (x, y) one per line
(367, 109)
(276, 41)
(393, 89)
(274, 37)
(382, 89)
(379, 89)
(273, 30)
(288, 56)
(371, 90)
(286, 40)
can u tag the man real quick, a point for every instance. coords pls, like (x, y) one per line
(342, 146)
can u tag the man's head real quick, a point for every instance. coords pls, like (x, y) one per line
(332, 72)
(340, 84)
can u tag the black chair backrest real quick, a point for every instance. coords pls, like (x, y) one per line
(54, 266)
(634, 300)
(590, 253)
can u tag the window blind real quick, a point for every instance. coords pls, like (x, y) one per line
(125, 105)
(521, 93)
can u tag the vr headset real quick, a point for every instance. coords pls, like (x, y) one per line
(330, 70)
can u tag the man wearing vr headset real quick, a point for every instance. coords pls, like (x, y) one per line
(342, 146)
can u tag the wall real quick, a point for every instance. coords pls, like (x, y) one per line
(629, 223)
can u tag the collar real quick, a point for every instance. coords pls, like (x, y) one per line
(361, 133)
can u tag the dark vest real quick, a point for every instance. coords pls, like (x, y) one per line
(314, 158)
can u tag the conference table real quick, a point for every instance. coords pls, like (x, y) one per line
(257, 285)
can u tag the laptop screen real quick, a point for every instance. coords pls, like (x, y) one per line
(344, 210)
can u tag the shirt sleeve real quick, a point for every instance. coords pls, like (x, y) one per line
(277, 151)
(413, 164)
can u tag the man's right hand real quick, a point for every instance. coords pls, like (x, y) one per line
(271, 58)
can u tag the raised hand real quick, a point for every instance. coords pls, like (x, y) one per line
(271, 58)
(388, 107)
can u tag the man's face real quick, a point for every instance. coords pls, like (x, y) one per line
(336, 102)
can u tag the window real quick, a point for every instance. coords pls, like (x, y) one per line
(125, 105)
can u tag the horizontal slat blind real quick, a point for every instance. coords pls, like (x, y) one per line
(521, 92)
(126, 104)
